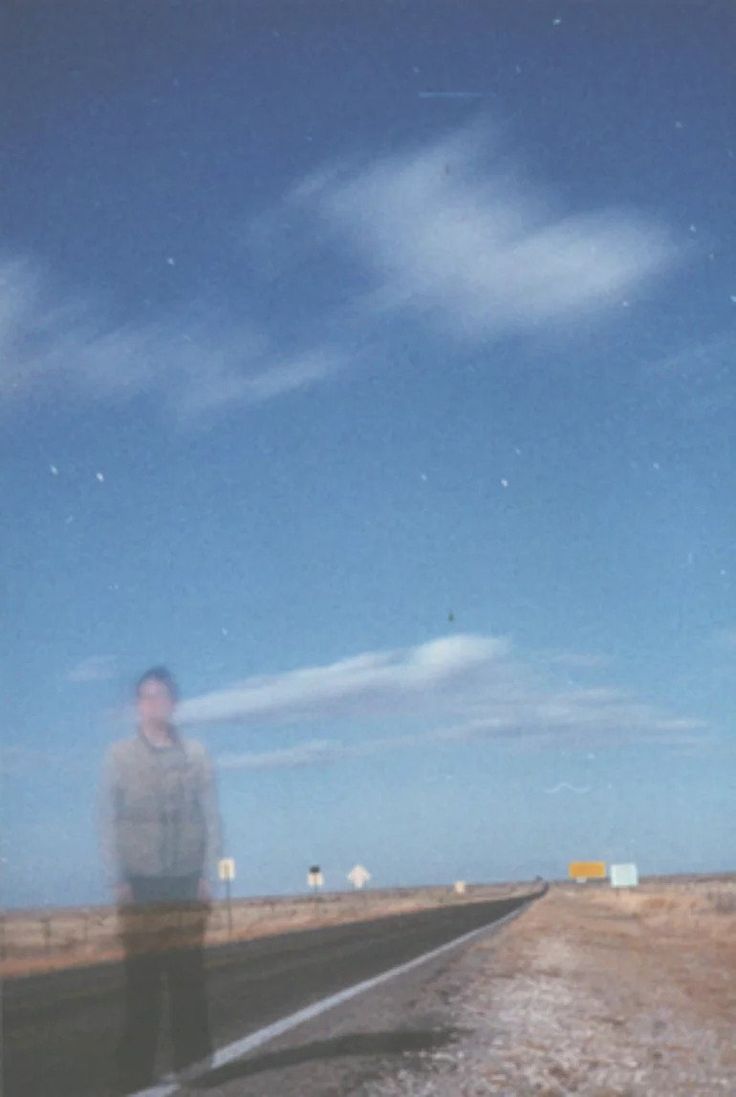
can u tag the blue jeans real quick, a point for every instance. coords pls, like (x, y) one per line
(163, 937)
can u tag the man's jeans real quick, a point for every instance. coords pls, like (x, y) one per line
(163, 936)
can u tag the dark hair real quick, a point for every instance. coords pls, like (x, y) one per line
(162, 675)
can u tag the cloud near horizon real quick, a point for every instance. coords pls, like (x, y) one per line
(458, 688)
(437, 233)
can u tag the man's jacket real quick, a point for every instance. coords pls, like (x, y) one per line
(158, 810)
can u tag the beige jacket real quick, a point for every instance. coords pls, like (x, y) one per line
(158, 811)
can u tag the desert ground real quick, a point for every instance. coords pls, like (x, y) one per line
(593, 992)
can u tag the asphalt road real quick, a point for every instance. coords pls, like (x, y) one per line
(60, 1029)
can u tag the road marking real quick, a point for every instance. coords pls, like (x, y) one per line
(238, 1048)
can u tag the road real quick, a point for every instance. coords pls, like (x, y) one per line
(60, 1028)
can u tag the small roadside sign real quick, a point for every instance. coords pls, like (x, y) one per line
(359, 876)
(624, 876)
(459, 887)
(587, 870)
(315, 879)
(226, 868)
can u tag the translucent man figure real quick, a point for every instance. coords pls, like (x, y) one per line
(161, 839)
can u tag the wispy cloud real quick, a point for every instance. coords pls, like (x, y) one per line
(303, 754)
(457, 689)
(194, 363)
(322, 752)
(563, 786)
(371, 682)
(449, 235)
(443, 234)
(95, 668)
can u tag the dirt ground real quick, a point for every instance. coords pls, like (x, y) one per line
(594, 992)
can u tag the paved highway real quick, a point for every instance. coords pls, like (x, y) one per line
(60, 1028)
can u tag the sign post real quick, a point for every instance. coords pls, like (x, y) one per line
(226, 872)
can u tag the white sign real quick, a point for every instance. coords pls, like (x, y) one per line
(460, 887)
(315, 879)
(624, 876)
(226, 868)
(359, 876)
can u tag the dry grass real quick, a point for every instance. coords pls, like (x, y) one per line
(36, 941)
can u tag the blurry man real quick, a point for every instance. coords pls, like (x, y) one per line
(160, 827)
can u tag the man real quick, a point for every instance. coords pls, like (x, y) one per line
(161, 838)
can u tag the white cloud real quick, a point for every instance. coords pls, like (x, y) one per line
(438, 233)
(473, 247)
(372, 681)
(458, 689)
(95, 668)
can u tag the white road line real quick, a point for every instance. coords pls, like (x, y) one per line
(229, 1054)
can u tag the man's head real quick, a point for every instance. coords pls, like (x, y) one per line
(156, 696)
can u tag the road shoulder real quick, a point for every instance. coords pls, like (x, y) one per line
(595, 993)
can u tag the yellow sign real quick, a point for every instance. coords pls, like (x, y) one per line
(226, 868)
(587, 870)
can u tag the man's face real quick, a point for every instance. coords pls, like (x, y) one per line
(155, 703)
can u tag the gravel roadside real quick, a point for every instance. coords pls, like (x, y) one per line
(595, 993)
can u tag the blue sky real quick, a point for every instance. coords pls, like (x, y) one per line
(373, 367)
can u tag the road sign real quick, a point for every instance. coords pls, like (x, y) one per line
(315, 879)
(624, 876)
(587, 870)
(459, 887)
(359, 876)
(226, 868)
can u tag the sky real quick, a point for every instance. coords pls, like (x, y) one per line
(372, 367)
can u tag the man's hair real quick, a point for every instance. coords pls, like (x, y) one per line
(162, 675)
